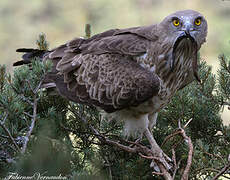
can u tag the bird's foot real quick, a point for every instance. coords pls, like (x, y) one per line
(138, 141)
(159, 157)
(162, 158)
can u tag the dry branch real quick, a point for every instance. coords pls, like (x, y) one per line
(34, 116)
(222, 171)
(28, 134)
(190, 153)
(144, 151)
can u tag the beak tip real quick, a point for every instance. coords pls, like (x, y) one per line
(187, 31)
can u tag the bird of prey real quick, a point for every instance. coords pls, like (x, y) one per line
(131, 73)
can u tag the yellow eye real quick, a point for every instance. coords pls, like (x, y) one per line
(198, 21)
(176, 22)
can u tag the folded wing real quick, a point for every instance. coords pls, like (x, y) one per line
(102, 70)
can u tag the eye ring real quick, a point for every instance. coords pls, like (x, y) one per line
(176, 22)
(197, 21)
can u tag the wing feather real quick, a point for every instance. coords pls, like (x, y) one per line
(112, 82)
(100, 71)
(127, 44)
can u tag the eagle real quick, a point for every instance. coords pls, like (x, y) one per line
(128, 73)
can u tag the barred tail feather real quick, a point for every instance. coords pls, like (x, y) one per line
(29, 55)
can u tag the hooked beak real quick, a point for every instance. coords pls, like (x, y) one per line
(187, 28)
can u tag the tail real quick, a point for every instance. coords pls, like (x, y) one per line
(28, 55)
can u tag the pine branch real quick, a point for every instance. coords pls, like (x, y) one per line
(31, 126)
(8, 132)
(42, 42)
(87, 30)
(222, 171)
(139, 149)
(25, 99)
(34, 116)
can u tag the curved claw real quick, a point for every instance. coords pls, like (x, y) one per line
(157, 152)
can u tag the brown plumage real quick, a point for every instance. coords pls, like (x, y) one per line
(135, 70)
(131, 73)
(123, 68)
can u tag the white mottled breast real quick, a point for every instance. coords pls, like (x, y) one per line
(137, 119)
(183, 73)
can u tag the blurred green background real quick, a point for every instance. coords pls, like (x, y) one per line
(22, 21)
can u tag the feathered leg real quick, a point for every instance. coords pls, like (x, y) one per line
(141, 124)
(152, 120)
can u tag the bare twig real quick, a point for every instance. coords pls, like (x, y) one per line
(121, 146)
(170, 136)
(209, 154)
(212, 155)
(5, 137)
(222, 171)
(157, 173)
(102, 138)
(31, 116)
(190, 153)
(212, 170)
(174, 162)
(39, 85)
(25, 99)
(149, 157)
(34, 116)
(31, 88)
(187, 123)
(181, 132)
(31, 126)
(163, 172)
(35, 91)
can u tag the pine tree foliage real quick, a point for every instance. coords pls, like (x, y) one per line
(42, 132)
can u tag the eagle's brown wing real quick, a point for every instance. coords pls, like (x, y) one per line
(101, 70)
(110, 81)
(132, 41)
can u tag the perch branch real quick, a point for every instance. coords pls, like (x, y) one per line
(157, 151)
(181, 131)
(137, 149)
(190, 153)
(145, 152)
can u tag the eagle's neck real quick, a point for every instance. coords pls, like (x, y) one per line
(182, 73)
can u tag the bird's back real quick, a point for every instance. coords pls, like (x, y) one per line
(102, 70)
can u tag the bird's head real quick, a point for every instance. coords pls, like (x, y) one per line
(182, 29)
(188, 23)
